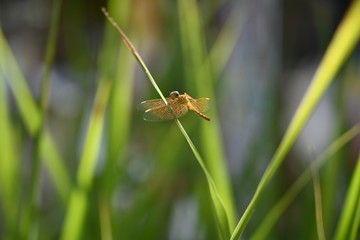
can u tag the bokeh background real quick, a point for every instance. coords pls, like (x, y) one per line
(254, 59)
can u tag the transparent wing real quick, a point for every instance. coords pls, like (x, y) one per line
(162, 113)
(152, 103)
(201, 104)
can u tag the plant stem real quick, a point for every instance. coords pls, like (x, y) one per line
(222, 218)
(44, 93)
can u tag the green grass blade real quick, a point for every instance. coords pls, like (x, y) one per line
(356, 223)
(55, 164)
(31, 117)
(221, 214)
(218, 204)
(74, 217)
(130, 46)
(201, 80)
(274, 214)
(17, 83)
(218, 56)
(49, 56)
(9, 168)
(29, 215)
(78, 200)
(318, 204)
(340, 47)
(119, 121)
(120, 106)
(350, 206)
(119, 110)
(121, 94)
(331, 173)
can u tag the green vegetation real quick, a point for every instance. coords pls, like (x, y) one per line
(104, 173)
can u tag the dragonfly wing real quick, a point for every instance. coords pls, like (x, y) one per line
(152, 103)
(201, 104)
(162, 113)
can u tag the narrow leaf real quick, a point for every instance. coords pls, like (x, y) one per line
(340, 47)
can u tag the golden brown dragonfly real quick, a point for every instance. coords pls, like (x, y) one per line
(156, 110)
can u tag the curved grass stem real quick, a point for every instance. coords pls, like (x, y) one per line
(217, 202)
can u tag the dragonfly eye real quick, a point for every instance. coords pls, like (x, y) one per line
(174, 94)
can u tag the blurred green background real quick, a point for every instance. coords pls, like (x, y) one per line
(79, 162)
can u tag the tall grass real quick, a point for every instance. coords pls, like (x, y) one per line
(134, 179)
(349, 222)
(30, 115)
(119, 114)
(114, 86)
(221, 214)
(342, 44)
(283, 203)
(196, 67)
(78, 202)
(9, 169)
(30, 210)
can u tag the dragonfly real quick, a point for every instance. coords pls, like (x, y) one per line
(156, 109)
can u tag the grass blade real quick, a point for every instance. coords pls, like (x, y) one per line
(331, 172)
(78, 200)
(350, 206)
(119, 110)
(201, 79)
(356, 223)
(222, 218)
(340, 47)
(29, 215)
(274, 214)
(9, 168)
(318, 204)
(31, 117)
(17, 83)
(218, 204)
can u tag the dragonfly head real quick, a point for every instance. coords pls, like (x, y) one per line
(174, 94)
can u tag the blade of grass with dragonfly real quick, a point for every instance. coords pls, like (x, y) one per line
(220, 53)
(276, 211)
(342, 44)
(31, 117)
(218, 204)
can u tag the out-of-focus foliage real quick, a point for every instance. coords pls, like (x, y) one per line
(106, 173)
